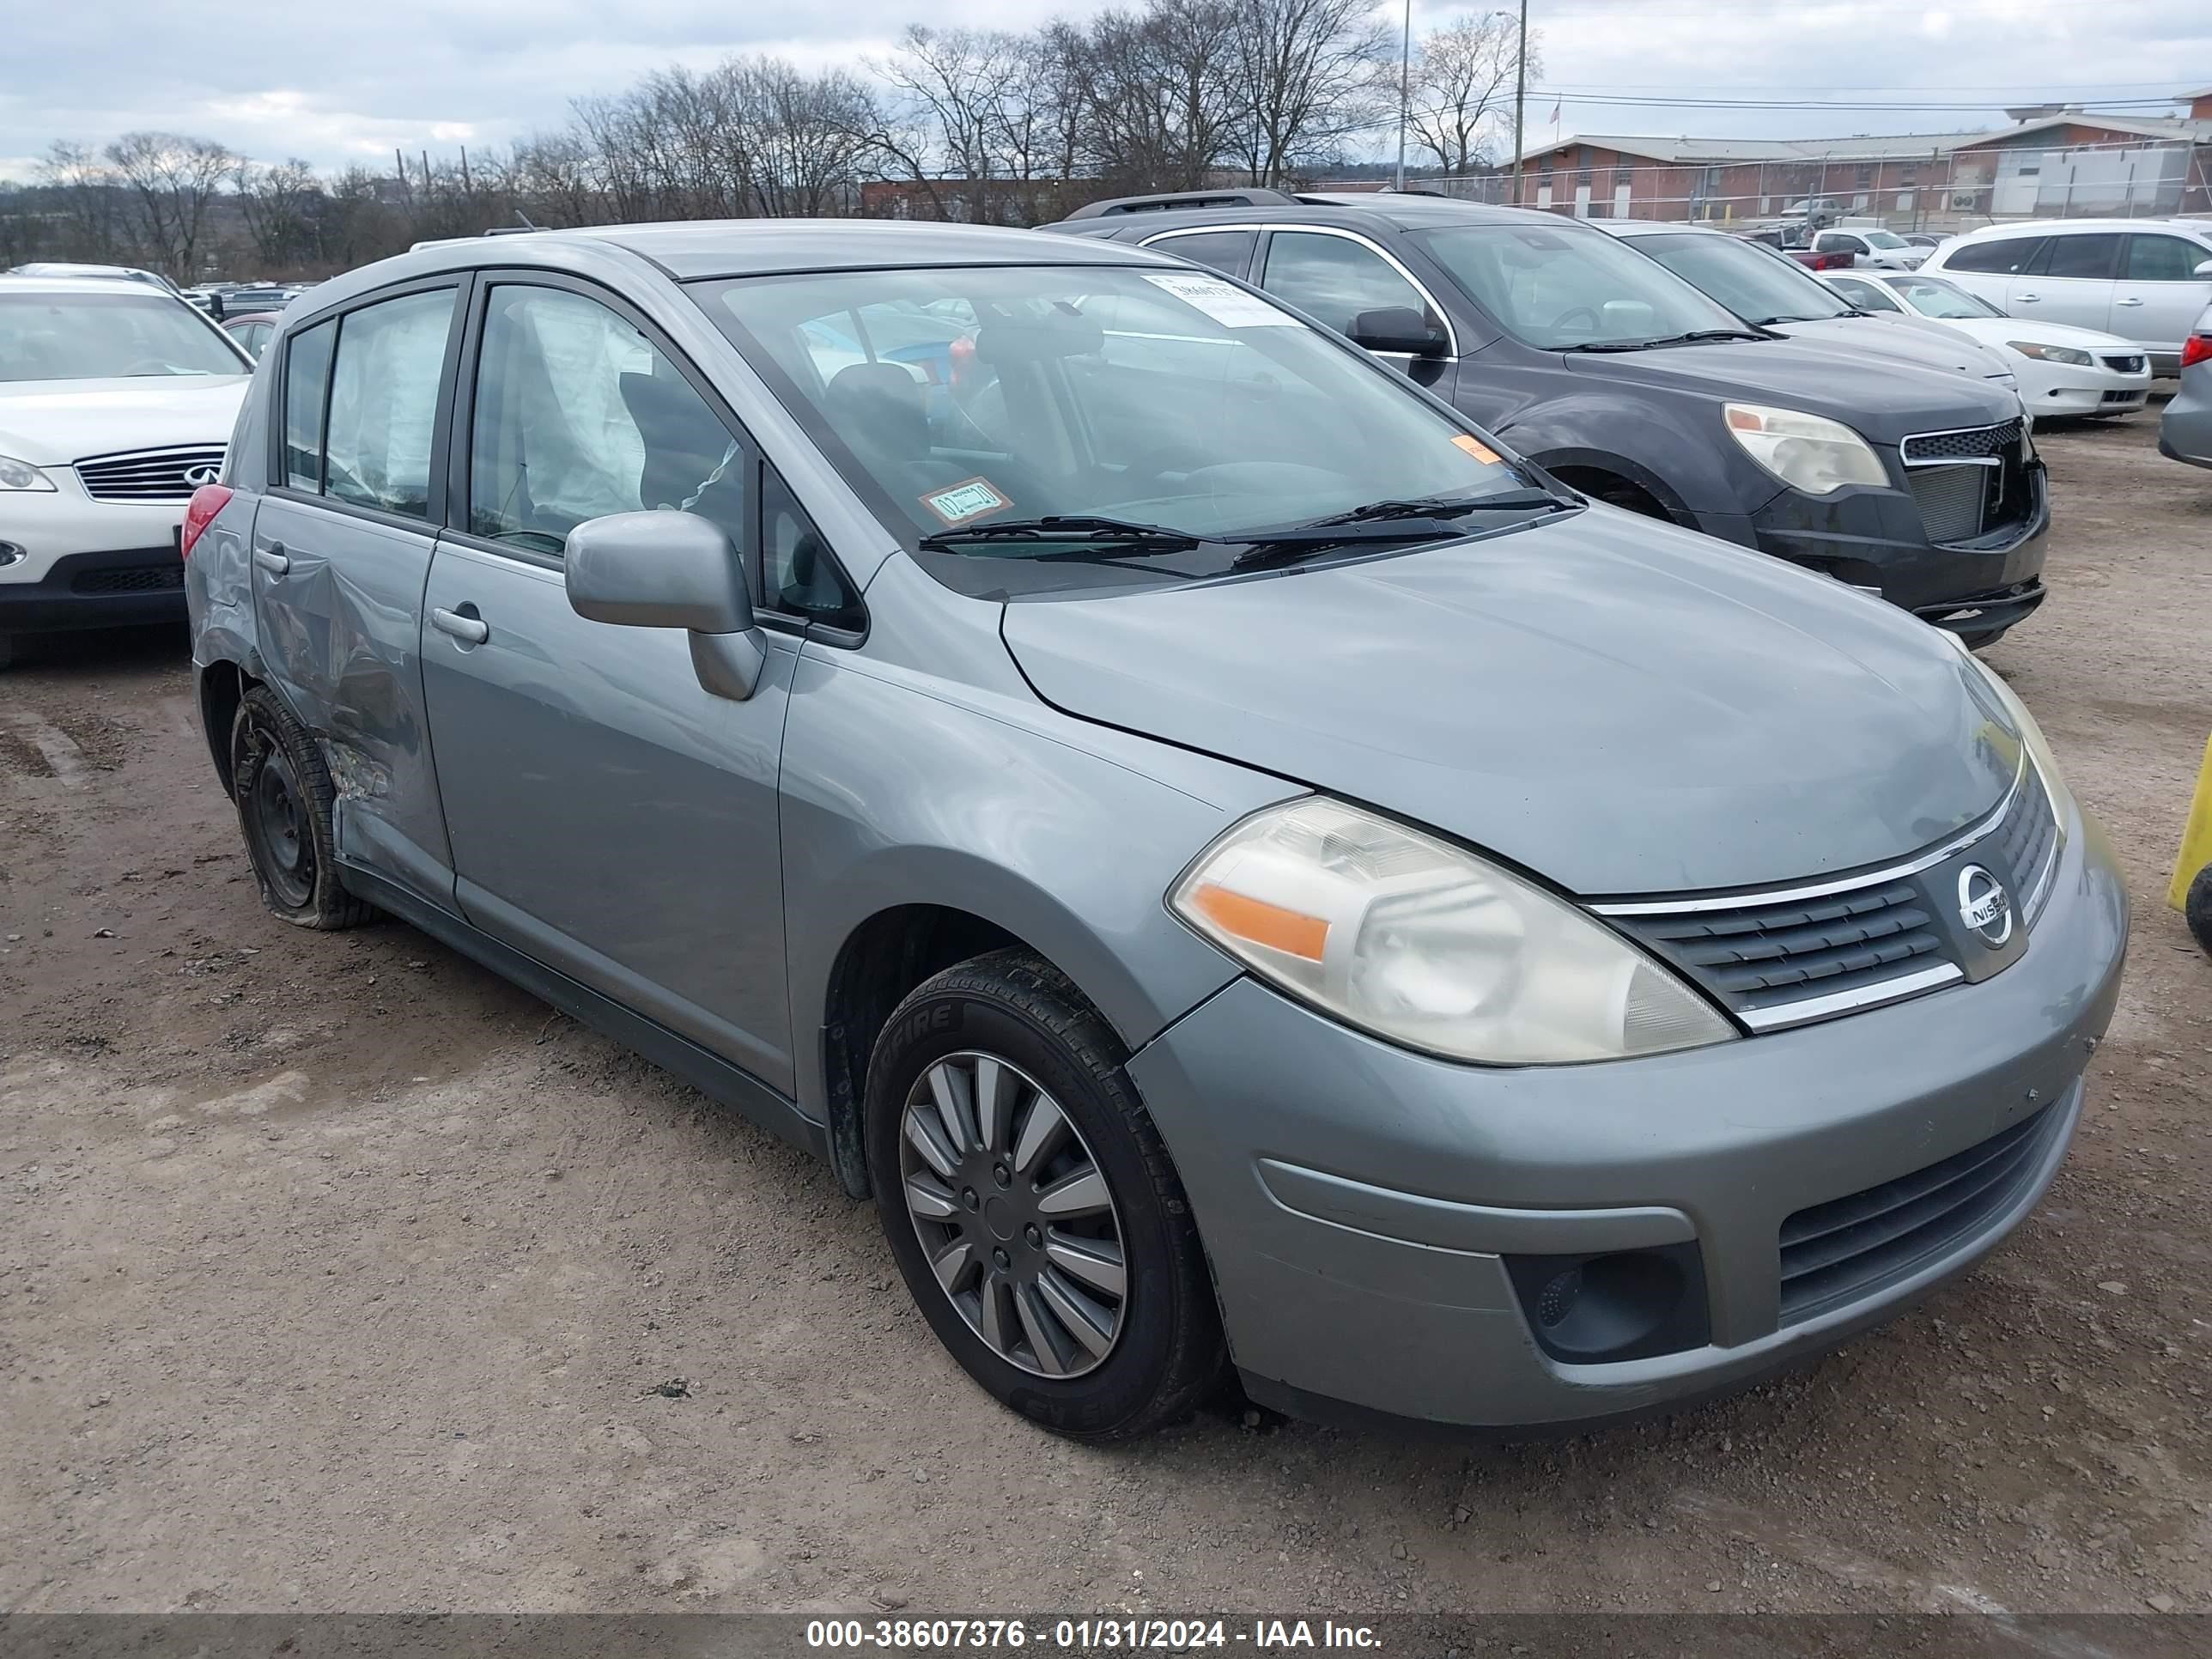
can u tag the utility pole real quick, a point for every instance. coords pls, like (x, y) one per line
(1519, 95)
(1405, 88)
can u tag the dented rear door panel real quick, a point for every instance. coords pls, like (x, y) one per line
(340, 626)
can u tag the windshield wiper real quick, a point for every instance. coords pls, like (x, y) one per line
(1693, 337)
(1068, 530)
(1505, 500)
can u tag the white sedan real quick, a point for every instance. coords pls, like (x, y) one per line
(2062, 370)
(116, 403)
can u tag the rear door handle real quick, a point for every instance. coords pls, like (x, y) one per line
(2127, 302)
(271, 559)
(471, 630)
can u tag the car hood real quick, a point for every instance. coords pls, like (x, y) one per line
(1925, 346)
(1880, 398)
(53, 422)
(2000, 331)
(1622, 706)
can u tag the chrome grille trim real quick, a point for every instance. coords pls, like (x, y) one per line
(1928, 860)
(1841, 1002)
(146, 475)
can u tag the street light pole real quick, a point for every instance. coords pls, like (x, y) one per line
(1520, 95)
(1405, 88)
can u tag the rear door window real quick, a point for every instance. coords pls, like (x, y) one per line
(384, 403)
(2089, 258)
(307, 399)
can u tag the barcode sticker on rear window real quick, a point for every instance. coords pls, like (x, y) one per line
(1227, 304)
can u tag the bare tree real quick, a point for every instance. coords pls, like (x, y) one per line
(954, 83)
(83, 190)
(1462, 81)
(170, 182)
(1161, 92)
(1308, 72)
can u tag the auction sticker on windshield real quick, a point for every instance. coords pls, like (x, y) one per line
(1227, 304)
(971, 498)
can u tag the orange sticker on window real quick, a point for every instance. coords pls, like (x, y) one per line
(1474, 446)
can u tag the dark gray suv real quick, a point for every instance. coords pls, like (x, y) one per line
(1630, 383)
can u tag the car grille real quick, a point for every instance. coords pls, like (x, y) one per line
(1832, 943)
(1851, 1248)
(2125, 366)
(147, 474)
(139, 578)
(1976, 443)
(1778, 959)
(1968, 483)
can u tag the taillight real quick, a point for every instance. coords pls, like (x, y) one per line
(2197, 349)
(207, 501)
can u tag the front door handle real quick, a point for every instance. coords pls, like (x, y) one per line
(2026, 298)
(271, 559)
(2130, 302)
(471, 630)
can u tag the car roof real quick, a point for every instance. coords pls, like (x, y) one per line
(2201, 227)
(11, 282)
(1658, 227)
(1350, 208)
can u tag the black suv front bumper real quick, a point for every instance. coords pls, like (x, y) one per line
(1874, 538)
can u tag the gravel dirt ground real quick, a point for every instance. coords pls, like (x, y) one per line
(335, 1274)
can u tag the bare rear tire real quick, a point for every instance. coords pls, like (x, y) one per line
(284, 796)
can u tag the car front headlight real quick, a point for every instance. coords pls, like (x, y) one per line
(21, 475)
(2031, 734)
(1806, 452)
(2052, 353)
(1411, 938)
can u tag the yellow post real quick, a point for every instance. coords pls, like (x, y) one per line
(2196, 837)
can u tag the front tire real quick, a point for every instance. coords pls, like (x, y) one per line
(284, 795)
(1031, 1206)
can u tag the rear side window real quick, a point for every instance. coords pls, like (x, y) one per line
(306, 397)
(1333, 279)
(384, 403)
(2087, 258)
(1225, 250)
(2004, 256)
(2165, 259)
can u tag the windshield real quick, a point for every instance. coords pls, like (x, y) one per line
(1931, 296)
(1763, 287)
(1885, 239)
(955, 399)
(87, 337)
(1558, 288)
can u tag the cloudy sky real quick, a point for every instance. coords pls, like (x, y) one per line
(346, 82)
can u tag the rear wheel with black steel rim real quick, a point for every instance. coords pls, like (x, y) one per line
(1031, 1206)
(284, 797)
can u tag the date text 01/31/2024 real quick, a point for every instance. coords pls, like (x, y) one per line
(1087, 1635)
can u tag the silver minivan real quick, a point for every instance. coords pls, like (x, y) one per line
(1252, 878)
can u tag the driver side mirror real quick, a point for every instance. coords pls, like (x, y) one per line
(2204, 268)
(671, 570)
(1397, 329)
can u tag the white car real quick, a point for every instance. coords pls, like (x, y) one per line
(1883, 249)
(116, 403)
(2147, 280)
(2060, 370)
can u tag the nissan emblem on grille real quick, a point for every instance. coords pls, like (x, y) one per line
(1985, 906)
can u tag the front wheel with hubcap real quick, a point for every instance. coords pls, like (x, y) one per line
(1031, 1206)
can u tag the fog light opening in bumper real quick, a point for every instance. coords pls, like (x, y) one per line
(1623, 1304)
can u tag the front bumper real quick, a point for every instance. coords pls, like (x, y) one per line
(1363, 1205)
(123, 587)
(1874, 538)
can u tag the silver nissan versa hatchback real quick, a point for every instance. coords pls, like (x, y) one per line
(1244, 870)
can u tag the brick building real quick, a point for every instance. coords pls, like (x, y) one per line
(2049, 162)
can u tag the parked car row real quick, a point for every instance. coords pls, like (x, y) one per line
(1243, 865)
